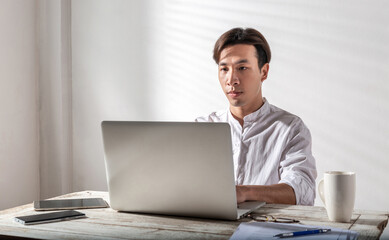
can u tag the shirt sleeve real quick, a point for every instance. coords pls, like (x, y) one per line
(210, 118)
(201, 119)
(297, 164)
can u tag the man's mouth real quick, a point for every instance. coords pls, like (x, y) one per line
(234, 94)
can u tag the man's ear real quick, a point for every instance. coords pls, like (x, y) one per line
(264, 71)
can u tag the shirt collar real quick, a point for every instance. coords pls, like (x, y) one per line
(255, 116)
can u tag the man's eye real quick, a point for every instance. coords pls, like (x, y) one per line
(242, 68)
(223, 69)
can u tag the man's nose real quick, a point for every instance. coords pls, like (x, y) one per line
(232, 79)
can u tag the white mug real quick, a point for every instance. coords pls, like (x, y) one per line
(337, 191)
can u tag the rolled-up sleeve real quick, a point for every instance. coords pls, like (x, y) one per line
(297, 164)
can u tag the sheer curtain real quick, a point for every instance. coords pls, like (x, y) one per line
(35, 100)
(19, 153)
(55, 97)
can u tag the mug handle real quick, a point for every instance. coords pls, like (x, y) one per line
(321, 191)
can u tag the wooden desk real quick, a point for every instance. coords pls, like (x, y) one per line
(108, 224)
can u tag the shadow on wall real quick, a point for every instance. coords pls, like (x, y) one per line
(328, 67)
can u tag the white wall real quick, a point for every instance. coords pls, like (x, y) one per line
(19, 165)
(109, 79)
(152, 60)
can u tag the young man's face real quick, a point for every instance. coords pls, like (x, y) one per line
(240, 77)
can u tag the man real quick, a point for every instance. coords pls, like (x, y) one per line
(271, 147)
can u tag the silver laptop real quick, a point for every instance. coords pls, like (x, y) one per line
(173, 168)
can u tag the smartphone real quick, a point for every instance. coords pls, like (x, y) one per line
(49, 217)
(66, 204)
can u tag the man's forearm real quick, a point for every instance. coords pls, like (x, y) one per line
(278, 193)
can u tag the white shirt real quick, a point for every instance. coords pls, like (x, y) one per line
(273, 146)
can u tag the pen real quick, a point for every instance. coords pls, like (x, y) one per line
(300, 233)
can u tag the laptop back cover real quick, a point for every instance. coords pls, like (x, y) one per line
(173, 168)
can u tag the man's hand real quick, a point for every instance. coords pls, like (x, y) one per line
(278, 193)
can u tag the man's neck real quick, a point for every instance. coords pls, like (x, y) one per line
(240, 112)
